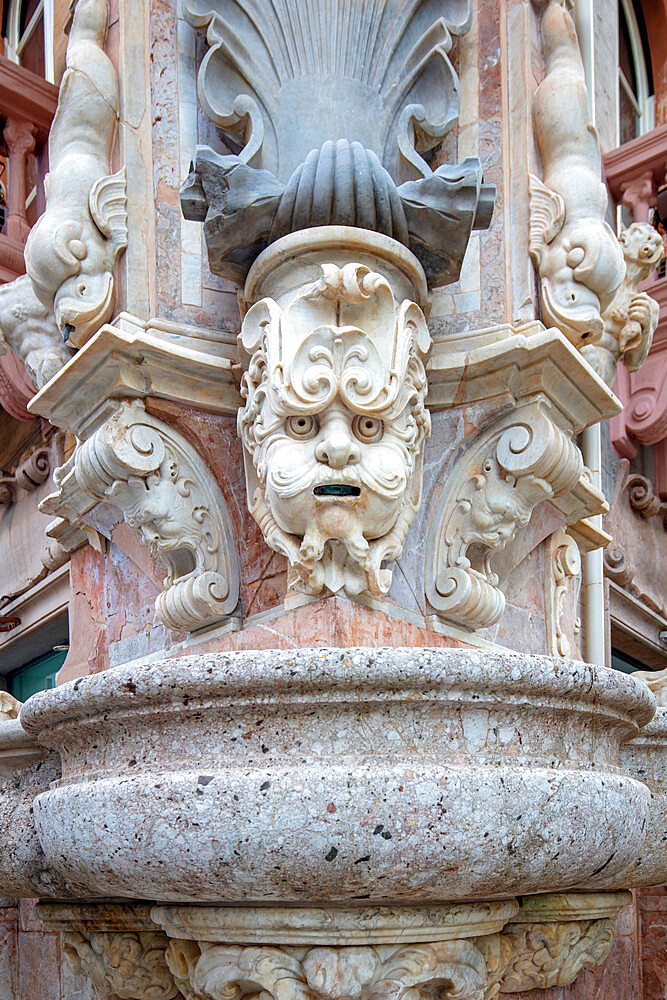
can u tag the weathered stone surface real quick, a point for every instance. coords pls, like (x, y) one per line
(346, 773)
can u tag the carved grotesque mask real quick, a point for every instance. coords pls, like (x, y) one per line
(334, 425)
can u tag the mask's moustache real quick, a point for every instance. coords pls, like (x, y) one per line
(288, 484)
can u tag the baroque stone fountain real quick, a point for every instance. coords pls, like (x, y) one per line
(342, 821)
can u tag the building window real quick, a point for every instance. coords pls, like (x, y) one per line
(39, 675)
(30, 35)
(635, 84)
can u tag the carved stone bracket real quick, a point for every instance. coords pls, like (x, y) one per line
(642, 498)
(116, 947)
(147, 469)
(30, 474)
(490, 492)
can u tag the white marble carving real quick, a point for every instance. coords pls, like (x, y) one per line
(577, 255)
(271, 791)
(334, 420)
(115, 946)
(563, 577)
(28, 327)
(631, 318)
(148, 469)
(71, 251)
(330, 126)
(657, 682)
(490, 492)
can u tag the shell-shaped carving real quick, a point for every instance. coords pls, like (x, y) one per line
(387, 60)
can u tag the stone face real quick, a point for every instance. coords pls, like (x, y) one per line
(322, 774)
(334, 421)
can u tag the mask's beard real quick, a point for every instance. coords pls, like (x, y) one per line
(288, 483)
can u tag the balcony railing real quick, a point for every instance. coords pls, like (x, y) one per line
(27, 106)
(635, 172)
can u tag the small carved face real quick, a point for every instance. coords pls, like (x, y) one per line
(338, 473)
(641, 244)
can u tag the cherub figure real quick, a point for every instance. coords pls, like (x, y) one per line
(631, 318)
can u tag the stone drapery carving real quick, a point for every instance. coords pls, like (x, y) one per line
(71, 251)
(631, 318)
(28, 327)
(491, 491)
(129, 964)
(147, 469)
(577, 255)
(563, 570)
(334, 424)
(332, 126)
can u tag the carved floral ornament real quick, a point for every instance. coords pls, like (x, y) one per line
(148, 470)
(333, 426)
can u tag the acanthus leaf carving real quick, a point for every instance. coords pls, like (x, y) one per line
(521, 459)
(574, 250)
(358, 160)
(455, 969)
(129, 964)
(333, 426)
(553, 954)
(147, 469)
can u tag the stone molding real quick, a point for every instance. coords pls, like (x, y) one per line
(149, 471)
(517, 461)
(576, 254)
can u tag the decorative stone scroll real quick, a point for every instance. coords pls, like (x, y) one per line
(490, 492)
(631, 318)
(71, 250)
(30, 474)
(578, 258)
(334, 421)
(332, 125)
(147, 469)
(563, 571)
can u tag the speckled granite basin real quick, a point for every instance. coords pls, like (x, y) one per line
(341, 774)
(645, 758)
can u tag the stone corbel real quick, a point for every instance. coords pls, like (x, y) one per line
(155, 477)
(115, 946)
(518, 461)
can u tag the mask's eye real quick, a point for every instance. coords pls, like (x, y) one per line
(367, 429)
(302, 426)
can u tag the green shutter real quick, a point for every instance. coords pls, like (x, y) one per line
(37, 676)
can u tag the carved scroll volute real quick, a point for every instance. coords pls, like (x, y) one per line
(563, 577)
(489, 493)
(165, 491)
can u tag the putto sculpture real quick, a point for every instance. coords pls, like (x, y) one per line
(576, 253)
(631, 318)
(334, 424)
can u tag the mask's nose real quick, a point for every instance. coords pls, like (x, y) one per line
(337, 448)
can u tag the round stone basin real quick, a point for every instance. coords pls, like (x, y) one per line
(645, 758)
(341, 774)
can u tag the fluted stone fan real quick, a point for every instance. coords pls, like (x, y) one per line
(330, 108)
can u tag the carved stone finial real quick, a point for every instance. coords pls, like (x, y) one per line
(577, 256)
(71, 251)
(331, 126)
(334, 421)
(631, 318)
